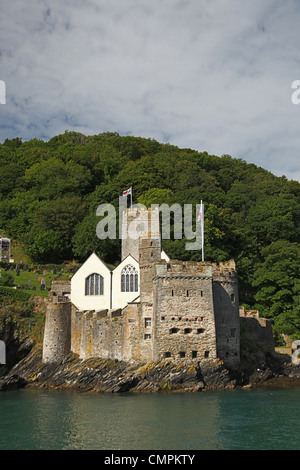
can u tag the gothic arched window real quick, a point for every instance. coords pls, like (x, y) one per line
(94, 284)
(129, 279)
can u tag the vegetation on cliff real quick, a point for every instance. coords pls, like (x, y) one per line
(50, 191)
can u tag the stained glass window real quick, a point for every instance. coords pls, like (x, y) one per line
(94, 284)
(129, 279)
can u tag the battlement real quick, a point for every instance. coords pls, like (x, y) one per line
(88, 314)
(60, 288)
(224, 271)
(197, 269)
(60, 291)
(53, 298)
(248, 313)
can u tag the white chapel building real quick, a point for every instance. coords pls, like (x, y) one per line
(96, 287)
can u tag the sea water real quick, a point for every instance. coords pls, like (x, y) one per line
(239, 419)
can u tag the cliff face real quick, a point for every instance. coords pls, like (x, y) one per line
(16, 347)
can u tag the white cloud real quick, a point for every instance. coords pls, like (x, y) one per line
(210, 75)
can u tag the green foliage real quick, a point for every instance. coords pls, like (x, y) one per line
(49, 193)
(14, 294)
(7, 279)
(278, 285)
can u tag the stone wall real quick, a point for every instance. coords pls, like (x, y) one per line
(132, 333)
(60, 288)
(184, 316)
(146, 311)
(258, 329)
(113, 334)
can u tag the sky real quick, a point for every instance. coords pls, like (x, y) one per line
(210, 75)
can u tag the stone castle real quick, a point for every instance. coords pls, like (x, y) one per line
(149, 308)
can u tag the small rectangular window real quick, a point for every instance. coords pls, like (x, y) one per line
(167, 354)
(206, 354)
(194, 354)
(147, 322)
(187, 331)
(147, 336)
(181, 353)
(172, 331)
(187, 293)
(200, 330)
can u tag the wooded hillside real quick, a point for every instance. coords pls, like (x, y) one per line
(49, 192)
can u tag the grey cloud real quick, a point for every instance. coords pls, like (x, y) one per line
(210, 75)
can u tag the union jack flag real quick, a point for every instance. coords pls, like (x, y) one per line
(127, 192)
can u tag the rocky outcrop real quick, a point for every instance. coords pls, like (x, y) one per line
(16, 348)
(12, 382)
(105, 375)
(108, 376)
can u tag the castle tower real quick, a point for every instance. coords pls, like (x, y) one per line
(226, 305)
(57, 334)
(145, 247)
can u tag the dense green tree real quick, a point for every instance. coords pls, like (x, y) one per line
(52, 178)
(6, 279)
(46, 246)
(277, 280)
(157, 196)
(85, 242)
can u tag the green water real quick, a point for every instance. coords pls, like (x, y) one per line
(245, 419)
